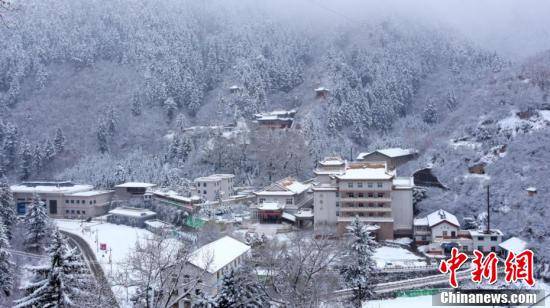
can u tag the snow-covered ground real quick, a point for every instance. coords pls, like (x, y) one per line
(386, 256)
(120, 241)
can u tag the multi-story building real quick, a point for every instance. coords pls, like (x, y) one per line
(133, 194)
(369, 191)
(290, 193)
(215, 187)
(63, 199)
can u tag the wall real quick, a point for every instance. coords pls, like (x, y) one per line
(444, 226)
(324, 211)
(402, 211)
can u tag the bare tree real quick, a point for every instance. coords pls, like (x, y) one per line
(160, 270)
(301, 273)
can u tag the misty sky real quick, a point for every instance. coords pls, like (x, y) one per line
(517, 28)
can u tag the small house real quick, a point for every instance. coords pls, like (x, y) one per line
(531, 191)
(514, 245)
(321, 92)
(394, 157)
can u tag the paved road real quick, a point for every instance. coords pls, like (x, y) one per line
(95, 267)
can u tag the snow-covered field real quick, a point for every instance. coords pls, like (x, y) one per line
(386, 256)
(120, 241)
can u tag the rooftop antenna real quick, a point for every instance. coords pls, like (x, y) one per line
(488, 212)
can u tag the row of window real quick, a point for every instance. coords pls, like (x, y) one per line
(369, 214)
(78, 212)
(362, 195)
(365, 205)
(369, 184)
(77, 201)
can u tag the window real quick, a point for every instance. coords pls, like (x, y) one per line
(199, 191)
(66, 201)
(95, 201)
(66, 211)
(360, 184)
(380, 195)
(369, 185)
(493, 249)
(72, 201)
(480, 238)
(371, 195)
(361, 214)
(78, 212)
(361, 195)
(337, 204)
(493, 238)
(424, 237)
(371, 204)
(444, 233)
(91, 202)
(360, 204)
(350, 184)
(380, 204)
(84, 212)
(350, 195)
(288, 201)
(72, 211)
(453, 233)
(83, 201)
(370, 214)
(204, 184)
(204, 192)
(379, 184)
(77, 201)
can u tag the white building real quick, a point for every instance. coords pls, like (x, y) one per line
(440, 231)
(369, 191)
(215, 187)
(133, 193)
(62, 199)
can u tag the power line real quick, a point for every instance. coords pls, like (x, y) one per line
(328, 9)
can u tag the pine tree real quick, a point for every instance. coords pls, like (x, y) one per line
(37, 224)
(103, 137)
(27, 161)
(38, 158)
(238, 289)
(7, 212)
(429, 115)
(6, 266)
(358, 268)
(61, 283)
(59, 141)
(49, 150)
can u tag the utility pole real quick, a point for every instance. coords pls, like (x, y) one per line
(488, 212)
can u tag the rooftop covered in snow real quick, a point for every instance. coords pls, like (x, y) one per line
(270, 206)
(132, 212)
(389, 152)
(216, 255)
(514, 244)
(136, 185)
(440, 216)
(406, 182)
(285, 187)
(90, 193)
(45, 187)
(366, 172)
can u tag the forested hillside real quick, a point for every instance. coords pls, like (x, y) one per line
(106, 91)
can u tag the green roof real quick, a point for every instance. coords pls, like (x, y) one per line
(193, 222)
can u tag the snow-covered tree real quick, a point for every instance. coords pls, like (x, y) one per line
(170, 108)
(27, 161)
(61, 283)
(429, 114)
(137, 106)
(48, 150)
(59, 140)
(240, 289)
(7, 212)
(37, 224)
(358, 265)
(6, 265)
